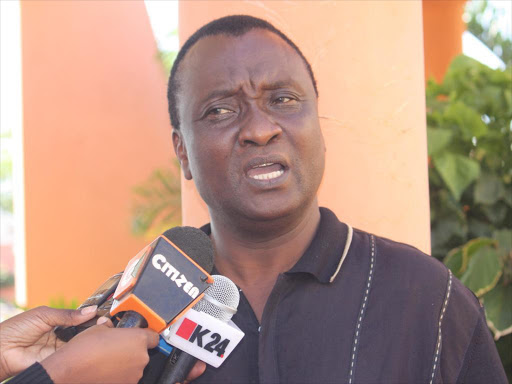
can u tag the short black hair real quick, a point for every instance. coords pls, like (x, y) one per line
(235, 25)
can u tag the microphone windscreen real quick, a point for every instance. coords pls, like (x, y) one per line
(194, 243)
(220, 300)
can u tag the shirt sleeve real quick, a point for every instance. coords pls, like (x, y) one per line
(482, 362)
(35, 374)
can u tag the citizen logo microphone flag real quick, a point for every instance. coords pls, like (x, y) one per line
(160, 263)
(162, 281)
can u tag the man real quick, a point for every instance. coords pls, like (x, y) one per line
(320, 302)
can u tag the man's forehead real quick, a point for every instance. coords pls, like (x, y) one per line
(237, 43)
(220, 61)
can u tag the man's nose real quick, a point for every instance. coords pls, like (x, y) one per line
(259, 129)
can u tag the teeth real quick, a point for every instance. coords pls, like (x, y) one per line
(268, 176)
(264, 165)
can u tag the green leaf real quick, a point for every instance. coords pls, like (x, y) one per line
(484, 269)
(488, 189)
(457, 171)
(6, 201)
(448, 230)
(507, 197)
(455, 262)
(504, 239)
(5, 165)
(438, 139)
(157, 202)
(472, 246)
(496, 212)
(479, 228)
(462, 64)
(466, 119)
(62, 302)
(508, 98)
(498, 310)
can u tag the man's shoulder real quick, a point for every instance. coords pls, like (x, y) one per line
(399, 256)
(402, 267)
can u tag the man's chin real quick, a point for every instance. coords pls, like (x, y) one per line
(273, 212)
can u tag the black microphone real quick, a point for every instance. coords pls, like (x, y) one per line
(102, 297)
(164, 280)
(220, 301)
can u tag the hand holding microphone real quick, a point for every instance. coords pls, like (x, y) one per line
(161, 283)
(93, 356)
(28, 337)
(102, 354)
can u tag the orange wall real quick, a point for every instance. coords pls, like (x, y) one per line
(95, 121)
(95, 125)
(442, 27)
(368, 60)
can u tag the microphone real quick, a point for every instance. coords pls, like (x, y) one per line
(220, 302)
(164, 279)
(102, 297)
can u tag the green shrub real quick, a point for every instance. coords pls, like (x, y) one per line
(157, 204)
(62, 303)
(469, 128)
(6, 279)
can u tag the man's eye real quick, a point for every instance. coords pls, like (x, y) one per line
(283, 100)
(219, 111)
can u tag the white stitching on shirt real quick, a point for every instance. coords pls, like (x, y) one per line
(345, 251)
(361, 314)
(443, 310)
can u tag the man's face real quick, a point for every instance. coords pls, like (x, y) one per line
(250, 136)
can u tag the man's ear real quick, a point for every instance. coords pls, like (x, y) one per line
(181, 153)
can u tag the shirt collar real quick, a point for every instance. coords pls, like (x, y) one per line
(324, 255)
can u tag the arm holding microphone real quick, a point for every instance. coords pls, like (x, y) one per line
(101, 354)
(28, 337)
(150, 294)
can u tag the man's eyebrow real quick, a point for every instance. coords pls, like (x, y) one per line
(227, 92)
(218, 93)
(281, 84)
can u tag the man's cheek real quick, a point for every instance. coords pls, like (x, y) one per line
(206, 166)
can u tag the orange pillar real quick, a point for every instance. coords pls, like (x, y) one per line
(368, 60)
(442, 29)
(95, 125)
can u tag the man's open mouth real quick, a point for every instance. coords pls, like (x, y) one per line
(266, 168)
(267, 171)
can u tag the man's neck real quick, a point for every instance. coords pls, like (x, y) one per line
(266, 251)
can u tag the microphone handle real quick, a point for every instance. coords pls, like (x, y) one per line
(132, 319)
(177, 367)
